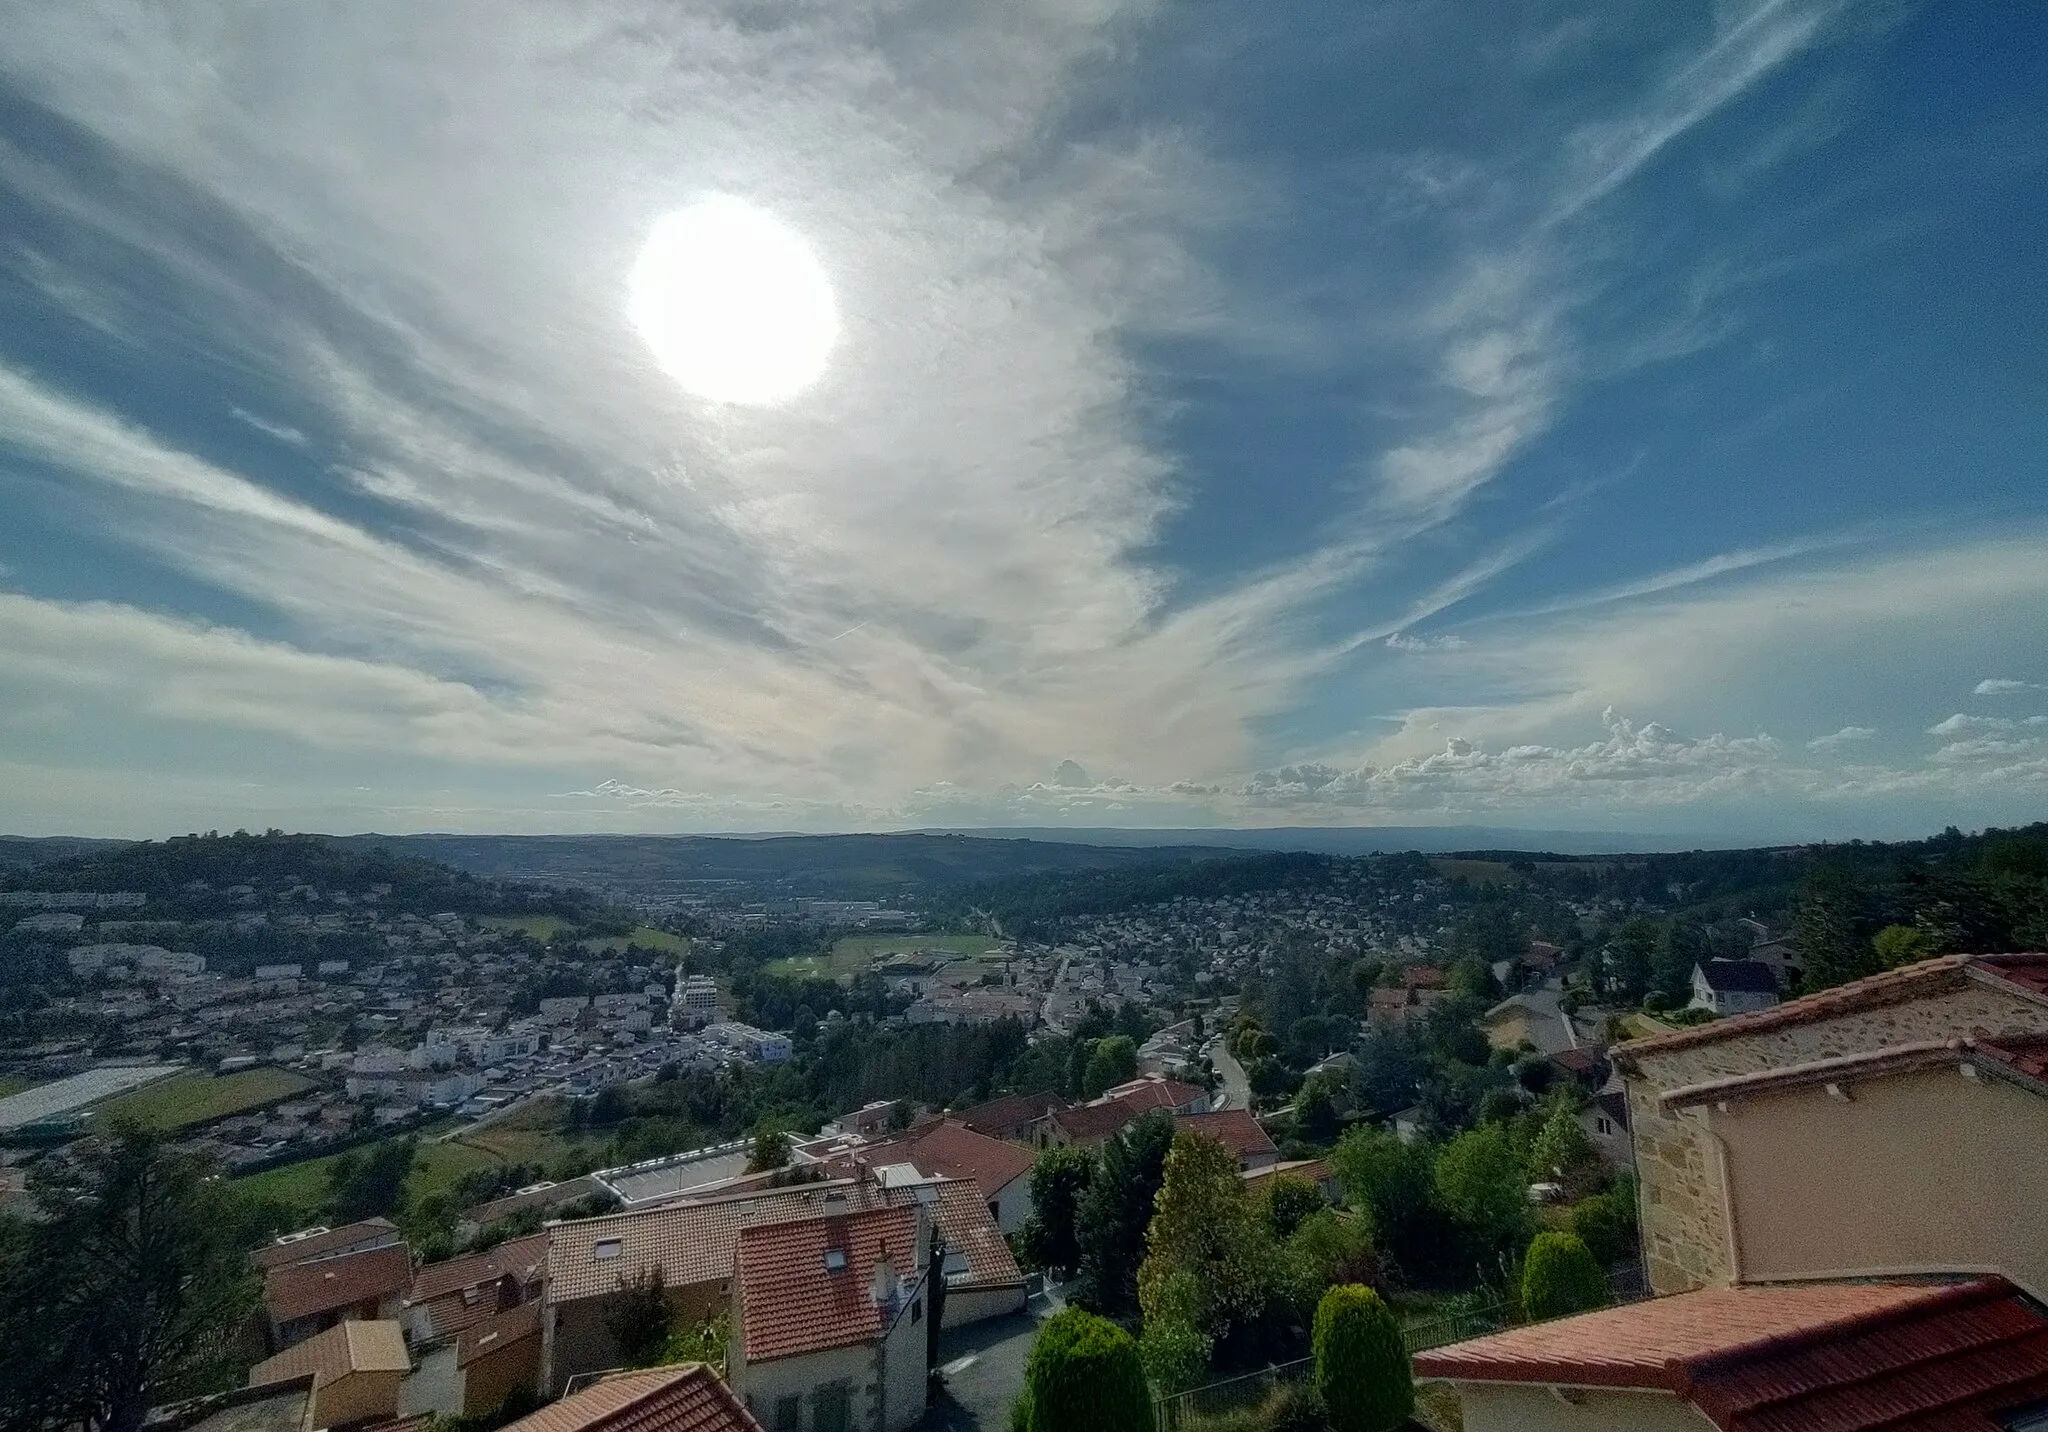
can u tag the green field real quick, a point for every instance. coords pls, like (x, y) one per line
(188, 1099)
(854, 953)
(542, 927)
(304, 1185)
(646, 937)
(13, 1084)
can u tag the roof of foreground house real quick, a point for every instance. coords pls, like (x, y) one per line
(2021, 975)
(688, 1398)
(301, 1248)
(807, 1285)
(498, 1332)
(1011, 1111)
(2020, 1058)
(458, 1293)
(691, 1242)
(1845, 1357)
(949, 1149)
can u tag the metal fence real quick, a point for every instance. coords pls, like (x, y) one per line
(1469, 1322)
(1217, 1402)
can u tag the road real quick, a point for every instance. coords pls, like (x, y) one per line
(981, 1370)
(1237, 1092)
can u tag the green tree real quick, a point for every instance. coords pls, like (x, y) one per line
(1362, 1374)
(1829, 927)
(1563, 1151)
(1084, 1375)
(1629, 959)
(370, 1183)
(1482, 1185)
(770, 1151)
(1290, 1198)
(1606, 1223)
(1114, 1214)
(1059, 1181)
(1329, 1247)
(1560, 1277)
(1207, 1228)
(638, 1316)
(126, 1290)
(1112, 1061)
(1393, 1184)
(1897, 945)
(1315, 1111)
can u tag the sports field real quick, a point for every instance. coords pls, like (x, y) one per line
(189, 1099)
(853, 953)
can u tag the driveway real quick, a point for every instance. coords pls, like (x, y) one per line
(981, 1370)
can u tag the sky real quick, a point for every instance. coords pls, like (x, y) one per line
(1589, 416)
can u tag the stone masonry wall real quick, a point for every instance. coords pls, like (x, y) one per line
(1684, 1212)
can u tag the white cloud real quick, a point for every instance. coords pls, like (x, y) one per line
(2004, 686)
(1962, 724)
(1846, 736)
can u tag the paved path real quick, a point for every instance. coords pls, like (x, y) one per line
(981, 1370)
(1237, 1092)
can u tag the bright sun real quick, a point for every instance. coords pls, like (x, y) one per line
(734, 304)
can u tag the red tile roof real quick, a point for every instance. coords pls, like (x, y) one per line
(1091, 1123)
(2025, 1054)
(690, 1398)
(1142, 1095)
(300, 1250)
(1235, 1129)
(792, 1303)
(498, 1332)
(692, 1242)
(946, 1149)
(965, 1226)
(1000, 1118)
(2025, 975)
(1839, 1357)
(299, 1290)
(460, 1292)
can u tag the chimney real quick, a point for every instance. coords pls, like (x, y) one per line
(885, 1288)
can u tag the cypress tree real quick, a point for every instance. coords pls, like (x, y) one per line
(1560, 1277)
(1362, 1372)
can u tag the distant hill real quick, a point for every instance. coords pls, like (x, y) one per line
(1369, 839)
(21, 852)
(832, 866)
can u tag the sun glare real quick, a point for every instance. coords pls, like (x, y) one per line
(733, 303)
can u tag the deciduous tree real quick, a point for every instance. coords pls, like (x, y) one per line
(1059, 1181)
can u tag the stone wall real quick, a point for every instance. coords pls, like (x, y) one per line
(1686, 1242)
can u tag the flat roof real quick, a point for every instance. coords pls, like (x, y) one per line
(65, 1096)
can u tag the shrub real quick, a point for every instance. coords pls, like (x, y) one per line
(1606, 1224)
(1362, 1376)
(1085, 1376)
(1560, 1277)
(1291, 1198)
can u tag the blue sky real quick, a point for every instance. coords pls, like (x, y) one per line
(1621, 417)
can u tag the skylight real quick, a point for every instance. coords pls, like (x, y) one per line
(835, 1259)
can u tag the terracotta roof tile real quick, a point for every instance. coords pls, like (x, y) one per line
(498, 1332)
(1142, 1095)
(352, 1346)
(998, 1118)
(1810, 1358)
(1092, 1123)
(2024, 1053)
(1235, 1129)
(793, 1300)
(690, 1398)
(2024, 974)
(964, 1224)
(947, 1149)
(299, 1290)
(1314, 1170)
(300, 1250)
(521, 1257)
(692, 1242)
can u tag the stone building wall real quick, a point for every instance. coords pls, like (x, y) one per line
(1685, 1230)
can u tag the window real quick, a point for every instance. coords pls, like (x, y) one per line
(788, 1414)
(607, 1248)
(1604, 1125)
(831, 1409)
(917, 1311)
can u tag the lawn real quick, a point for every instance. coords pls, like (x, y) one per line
(854, 953)
(646, 937)
(542, 927)
(13, 1084)
(185, 1100)
(304, 1185)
